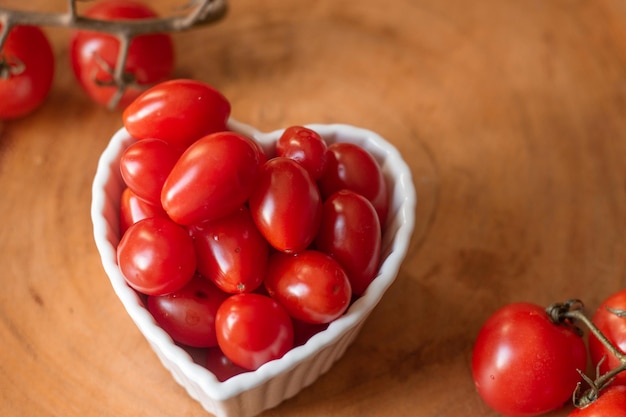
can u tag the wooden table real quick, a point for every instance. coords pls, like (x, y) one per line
(511, 115)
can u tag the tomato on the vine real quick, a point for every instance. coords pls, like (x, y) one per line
(253, 329)
(94, 55)
(608, 320)
(523, 364)
(156, 256)
(26, 71)
(350, 233)
(178, 111)
(188, 315)
(311, 285)
(611, 402)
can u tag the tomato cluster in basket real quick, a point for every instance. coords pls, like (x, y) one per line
(238, 248)
(529, 360)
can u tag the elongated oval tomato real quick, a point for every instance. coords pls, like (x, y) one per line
(145, 166)
(178, 111)
(349, 166)
(523, 364)
(231, 252)
(188, 315)
(304, 146)
(211, 179)
(350, 233)
(30, 58)
(286, 205)
(311, 285)
(253, 329)
(133, 209)
(156, 256)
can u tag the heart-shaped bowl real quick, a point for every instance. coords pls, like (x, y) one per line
(250, 393)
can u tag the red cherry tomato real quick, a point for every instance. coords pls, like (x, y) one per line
(610, 403)
(188, 315)
(286, 205)
(311, 285)
(253, 329)
(350, 233)
(231, 252)
(211, 179)
(303, 331)
(352, 167)
(156, 256)
(94, 55)
(26, 71)
(525, 365)
(145, 166)
(304, 146)
(220, 366)
(177, 111)
(614, 328)
(133, 209)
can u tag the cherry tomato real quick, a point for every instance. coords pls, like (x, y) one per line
(133, 209)
(311, 285)
(94, 55)
(350, 233)
(156, 256)
(26, 71)
(211, 179)
(145, 165)
(220, 366)
(286, 205)
(231, 252)
(188, 315)
(352, 167)
(177, 111)
(304, 146)
(253, 329)
(525, 365)
(610, 403)
(303, 331)
(614, 328)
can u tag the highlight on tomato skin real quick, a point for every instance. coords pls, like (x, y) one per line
(525, 365)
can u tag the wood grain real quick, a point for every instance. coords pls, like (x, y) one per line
(510, 114)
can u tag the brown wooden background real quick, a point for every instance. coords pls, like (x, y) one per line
(510, 113)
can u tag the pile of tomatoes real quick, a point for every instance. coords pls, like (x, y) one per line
(27, 60)
(526, 364)
(239, 249)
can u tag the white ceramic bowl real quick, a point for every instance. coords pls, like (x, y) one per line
(250, 393)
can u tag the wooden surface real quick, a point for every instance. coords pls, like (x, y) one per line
(511, 115)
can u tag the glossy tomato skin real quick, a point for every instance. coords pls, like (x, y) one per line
(211, 179)
(145, 165)
(178, 111)
(31, 58)
(304, 146)
(133, 209)
(350, 232)
(614, 328)
(253, 329)
(286, 205)
(94, 55)
(311, 285)
(156, 256)
(610, 403)
(349, 166)
(525, 365)
(188, 315)
(231, 252)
